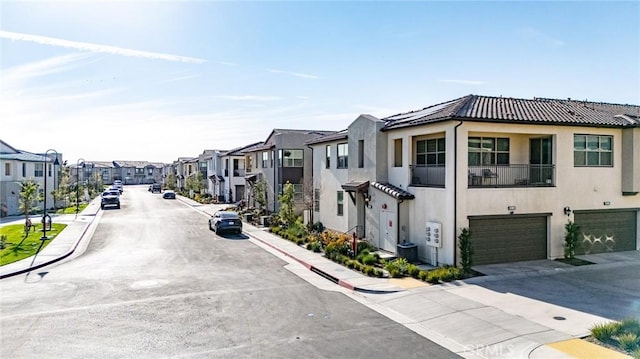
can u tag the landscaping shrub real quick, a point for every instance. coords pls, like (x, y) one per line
(628, 341)
(316, 227)
(571, 237)
(605, 332)
(365, 246)
(315, 246)
(466, 250)
(413, 270)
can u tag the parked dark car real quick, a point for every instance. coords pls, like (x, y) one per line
(110, 199)
(225, 221)
(156, 188)
(169, 194)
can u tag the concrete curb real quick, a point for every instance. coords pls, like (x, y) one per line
(55, 260)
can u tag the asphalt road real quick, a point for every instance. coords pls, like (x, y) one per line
(154, 282)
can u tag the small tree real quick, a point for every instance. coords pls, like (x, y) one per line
(259, 192)
(570, 239)
(171, 181)
(194, 183)
(287, 204)
(28, 196)
(466, 250)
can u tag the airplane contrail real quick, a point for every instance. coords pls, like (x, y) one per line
(114, 50)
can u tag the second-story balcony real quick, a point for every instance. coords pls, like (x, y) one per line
(514, 175)
(428, 176)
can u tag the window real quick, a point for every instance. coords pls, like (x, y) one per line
(150, 170)
(340, 201)
(273, 155)
(488, 151)
(24, 169)
(38, 170)
(430, 152)
(249, 161)
(265, 159)
(7, 169)
(397, 152)
(328, 156)
(316, 200)
(592, 151)
(139, 171)
(360, 153)
(256, 159)
(343, 155)
(291, 158)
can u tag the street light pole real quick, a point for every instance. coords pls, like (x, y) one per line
(45, 172)
(78, 184)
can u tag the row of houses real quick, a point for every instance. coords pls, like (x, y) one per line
(512, 171)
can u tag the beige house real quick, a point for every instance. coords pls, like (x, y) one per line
(17, 166)
(513, 171)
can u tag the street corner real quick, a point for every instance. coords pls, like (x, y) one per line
(582, 349)
(407, 283)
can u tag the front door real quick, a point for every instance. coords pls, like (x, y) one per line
(540, 160)
(388, 231)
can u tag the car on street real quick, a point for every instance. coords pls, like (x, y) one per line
(110, 198)
(118, 185)
(169, 194)
(225, 221)
(156, 188)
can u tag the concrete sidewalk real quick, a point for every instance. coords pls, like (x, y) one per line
(462, 316)
(62, 244)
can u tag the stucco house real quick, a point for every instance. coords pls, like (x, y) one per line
(17, 166)
(284, 157)
(512, 171)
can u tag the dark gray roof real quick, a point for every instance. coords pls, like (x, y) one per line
(336, 136)
(239, 151)
(393, 191)
(513, 110)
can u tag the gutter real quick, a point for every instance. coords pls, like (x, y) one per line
(455, 192)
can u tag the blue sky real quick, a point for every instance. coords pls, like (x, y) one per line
(160, 80)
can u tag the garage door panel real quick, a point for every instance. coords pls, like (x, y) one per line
(606, 231)
(508, 239)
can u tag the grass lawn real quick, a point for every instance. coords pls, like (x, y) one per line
(16, 248)
(71, 209)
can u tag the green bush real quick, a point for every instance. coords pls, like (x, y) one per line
(628, 341)
(423, 275)
(315, 247)
(413, 270)
(571, 237)
(604, 332)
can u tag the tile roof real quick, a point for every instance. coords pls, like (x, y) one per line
(336, 136)
(513, 110)
(393, 191)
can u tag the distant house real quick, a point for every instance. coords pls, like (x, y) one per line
(512, 171)
(234, 169)
(284, 157)
(17, 166)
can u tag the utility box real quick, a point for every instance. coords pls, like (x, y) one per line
(408, 251)
(248, 217)
(264, 221)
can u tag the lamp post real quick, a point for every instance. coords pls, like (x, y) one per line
(46, 172)
(78, 184)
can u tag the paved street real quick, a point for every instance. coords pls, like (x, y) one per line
(155, 282)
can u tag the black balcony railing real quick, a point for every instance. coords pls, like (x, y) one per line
(515, 175)
(428, 176)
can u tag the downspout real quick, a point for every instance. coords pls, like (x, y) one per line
(313, 192)
(455, 192)
(398, 226)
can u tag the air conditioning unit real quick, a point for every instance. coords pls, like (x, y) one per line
(434, 234)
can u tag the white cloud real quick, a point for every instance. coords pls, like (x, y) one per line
(296, 74)
(248, 98)
(114, 50)
(539, 36)
(463, 82)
